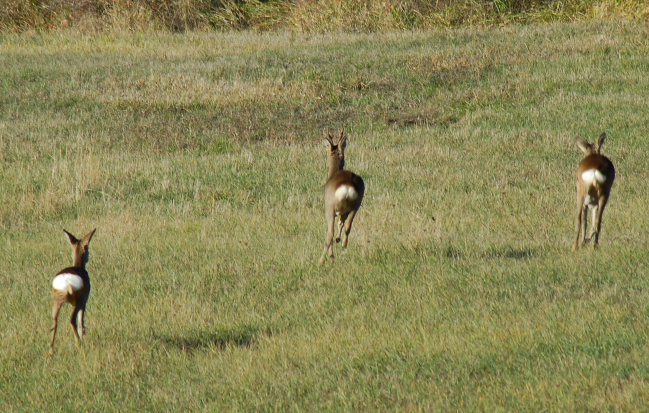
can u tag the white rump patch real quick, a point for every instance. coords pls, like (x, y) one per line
(62, 281)
(591, 174)
(345, 192)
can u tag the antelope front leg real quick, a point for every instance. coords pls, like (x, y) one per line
(328, 248)
(597, 224)
(341, 222)
(81, 326)
(593, 219)
(73, 322)
(584, 223)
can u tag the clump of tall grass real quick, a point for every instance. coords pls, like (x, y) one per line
(173, 15)
(140, 15)
(301, 15)
(374, 15)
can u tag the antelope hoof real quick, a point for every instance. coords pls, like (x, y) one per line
(338, 239)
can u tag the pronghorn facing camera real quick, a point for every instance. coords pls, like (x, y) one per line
(343, 194)
(72, 285)
(595, 176)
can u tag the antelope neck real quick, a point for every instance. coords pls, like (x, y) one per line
(335, 164)
(78, 262)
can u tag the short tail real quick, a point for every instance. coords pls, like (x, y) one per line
(597, 185)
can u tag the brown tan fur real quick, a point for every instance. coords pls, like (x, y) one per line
(79, 298)
(345, 208)
(591, 194)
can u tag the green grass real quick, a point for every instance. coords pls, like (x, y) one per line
(200, 160)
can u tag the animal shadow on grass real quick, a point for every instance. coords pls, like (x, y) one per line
(454, 252)
(500, 252)
(510, 252)
(220, 339)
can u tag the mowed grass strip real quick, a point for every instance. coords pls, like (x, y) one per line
(201, 161)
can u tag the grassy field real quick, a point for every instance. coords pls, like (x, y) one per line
(199, 158)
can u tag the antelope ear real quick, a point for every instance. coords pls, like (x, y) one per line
(86, 240)
(582, 144)
(600, 141)
(73, 240)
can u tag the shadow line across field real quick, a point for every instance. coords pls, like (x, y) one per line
(222, 338)
(503, 252)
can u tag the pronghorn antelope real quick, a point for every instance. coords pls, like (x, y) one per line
(72, 285)
(595, 176)
(343, 194)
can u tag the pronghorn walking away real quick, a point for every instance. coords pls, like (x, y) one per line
(343, 194)
(595, 176)
(72, 285)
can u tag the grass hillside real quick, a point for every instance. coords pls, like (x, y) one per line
(200, 160)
